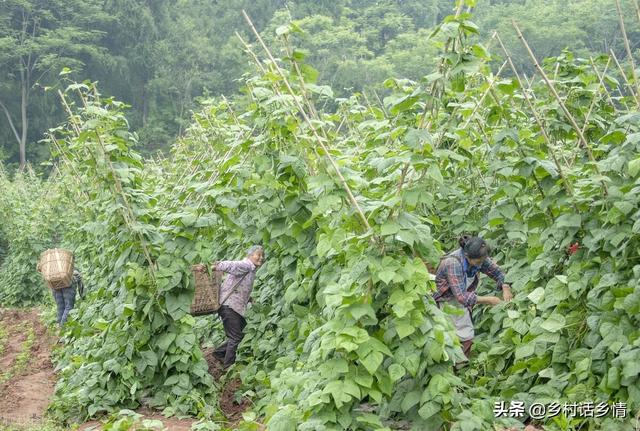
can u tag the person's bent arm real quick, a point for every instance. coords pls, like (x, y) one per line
(489, 300)
(235, 267)
(492, 269)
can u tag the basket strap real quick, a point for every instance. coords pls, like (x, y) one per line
(233, 289)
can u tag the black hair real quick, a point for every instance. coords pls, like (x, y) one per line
(474, 246)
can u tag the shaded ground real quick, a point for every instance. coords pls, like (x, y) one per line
(231, 404)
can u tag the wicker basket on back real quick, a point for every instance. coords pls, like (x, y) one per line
(206, 299)
(56, 266)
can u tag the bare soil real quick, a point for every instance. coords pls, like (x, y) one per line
(230, 405)
(24, 397)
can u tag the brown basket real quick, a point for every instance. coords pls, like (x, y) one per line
(56, 266)
(206, 299)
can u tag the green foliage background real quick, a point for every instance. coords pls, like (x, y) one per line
(344, 333)
(162, 57)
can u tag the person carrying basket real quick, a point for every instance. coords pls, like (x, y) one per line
(235, 293)
(64, 283)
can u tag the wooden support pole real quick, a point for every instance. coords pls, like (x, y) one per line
(313, 129)
(624, 77)
(538, 119)
(628, 48)
(566, 112)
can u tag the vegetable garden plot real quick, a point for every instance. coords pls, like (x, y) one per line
(344, 334)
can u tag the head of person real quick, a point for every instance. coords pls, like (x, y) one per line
(475, 249)
(256, 255)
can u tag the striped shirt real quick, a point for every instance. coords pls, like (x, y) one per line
(242, 273)
(451, 278)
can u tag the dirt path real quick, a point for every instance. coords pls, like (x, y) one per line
(232, 410)
(27, 378)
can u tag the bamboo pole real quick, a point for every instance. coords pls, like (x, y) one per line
(248, 49)
(591, 106)
(637, 8)
(628, 48)
(313, 129)
(595, 99)
(624, 77)
(570, 117)
(601, 79)
(484, 95)
(538, 119)
(128, 215)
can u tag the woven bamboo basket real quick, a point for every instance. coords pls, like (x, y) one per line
(56, 266)
(206, 299)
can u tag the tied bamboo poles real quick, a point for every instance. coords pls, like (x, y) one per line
(128, 215)
(628, 49)
(313, 129)
(543, 131)
(566, 112)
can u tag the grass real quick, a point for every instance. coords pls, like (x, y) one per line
(22, 359)
(44, 426)
(3, 339)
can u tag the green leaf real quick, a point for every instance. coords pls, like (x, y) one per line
(624, 207)
(404, 329)
(554, 323)
(411, 399)
(372, 361)
(282, 420)
(165, 340)
(429, 409)
(150, 358)
(350, 387)
(386, 276)
(396, 372)
(370, 419)
(634, 167)
(536, 296)
(389, 228)
(569, 220)
(434, 173)
(525, 350)
(178, 304)
(186, 341)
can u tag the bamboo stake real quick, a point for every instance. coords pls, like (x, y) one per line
(570, 117)
(484, 95)
(628, 48)
(591, 106)
(543, 131)
(624, 77)
(129, 218)
(595, 99)
(601, 79)
(311, 126)
(248, 49)
(421, 124)
(637, 8)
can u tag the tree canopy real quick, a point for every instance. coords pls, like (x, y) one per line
(162, 57)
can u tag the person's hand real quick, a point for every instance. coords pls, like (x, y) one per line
(199, 267)
(507, 295)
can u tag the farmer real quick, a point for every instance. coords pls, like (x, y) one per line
(457, 279)
(234, 295)
(66, 297)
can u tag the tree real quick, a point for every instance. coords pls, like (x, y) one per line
(37, 39)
